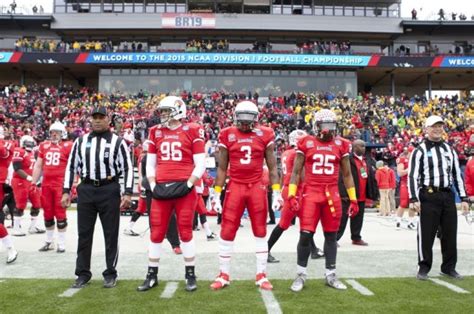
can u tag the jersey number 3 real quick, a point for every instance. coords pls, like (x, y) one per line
(323, 164)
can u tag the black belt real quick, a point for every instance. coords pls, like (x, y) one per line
(99, 182)
(435, 189)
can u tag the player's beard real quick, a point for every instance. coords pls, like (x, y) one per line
(245, 127)
(326, 136)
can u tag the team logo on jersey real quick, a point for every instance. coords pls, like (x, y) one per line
(158, 133)
(338, 142)
(185, 127)
(259, 132)
(309, 144)
(231, 138)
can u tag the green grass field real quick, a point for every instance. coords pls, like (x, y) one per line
(395, 295)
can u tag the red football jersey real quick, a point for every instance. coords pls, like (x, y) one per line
(246, 152)
(27, 160)
(55, 158)
(287, 161)
(322, 159)
(403, 160)
(174, 150)
(7, 147)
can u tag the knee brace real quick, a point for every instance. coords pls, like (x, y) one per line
(304, 248)
(34, 212)
(18, 212)
(62, 224)
(49, 223)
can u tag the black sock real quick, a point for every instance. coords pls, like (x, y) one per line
(189, 270)
(330, 249)
(304, 248)
(276, 233)
(152, 271)
(135, 216)
(313, 246)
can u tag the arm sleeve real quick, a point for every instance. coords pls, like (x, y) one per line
(414, 169)
(199, 165)
(457, 178)
(72, 163)
(127, 167)
(150, 165)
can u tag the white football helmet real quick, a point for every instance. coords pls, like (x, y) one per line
(325, 124)
(246, 115)
(295, 136)
(177, 107)
(58, 126)
(27, 142)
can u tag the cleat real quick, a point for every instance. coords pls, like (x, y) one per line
(130, 232)
(262, 281)
(298, 283)
(18, 233)
(220, 282)
(150, 282)
(80, 282)
(422, 276)
(452, 274)
(48, 246)
(271, 259)
(212, 237)
(398, 226)
(191, 284)
(37, 230)
(332, 281)
(60, 250)
(12, 255)
(110, 282)
(411, 226)
(177, 250)
(318, 253)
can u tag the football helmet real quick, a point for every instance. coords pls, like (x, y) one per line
(295, 136)
(325, 124)
(246, 116)
(27, 142)
(58, 126)
(176, 107)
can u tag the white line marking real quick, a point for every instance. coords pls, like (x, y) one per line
(69, 292)
(360, 288)
(449, 285)
(270, 302)
(169, 291)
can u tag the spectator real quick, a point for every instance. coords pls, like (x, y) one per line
(13, 7)
(453, 16)
(413, 14)
(441, 15)
(382, 175)
(35, 9)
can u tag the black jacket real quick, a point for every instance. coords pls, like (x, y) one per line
(371, 191)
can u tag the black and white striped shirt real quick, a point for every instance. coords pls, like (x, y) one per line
(99, 157)
(434, 164)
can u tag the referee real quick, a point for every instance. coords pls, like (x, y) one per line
(99, 158)
(433, 172)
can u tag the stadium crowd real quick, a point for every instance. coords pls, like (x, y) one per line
(374, 118)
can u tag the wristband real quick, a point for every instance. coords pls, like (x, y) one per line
(292, 189)
(351, 192)
(276, 187)
(218, 189)
(29, 178)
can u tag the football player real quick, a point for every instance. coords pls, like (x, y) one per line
(321, 155)
(243, 149)
(51, 165)
(402, 171)
(6, 154)
(23, 162)
(201, 210)
(175, 161)
(287, 215)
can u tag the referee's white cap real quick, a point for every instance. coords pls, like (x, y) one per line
(432, 120)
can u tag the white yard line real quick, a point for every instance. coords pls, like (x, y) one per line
(360, 288)
(271, 304)
(69, 292)
(170, 289)
(448, 285)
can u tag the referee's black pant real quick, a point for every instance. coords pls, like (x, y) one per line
(105, 201)
(437, 209)
(356, 222)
